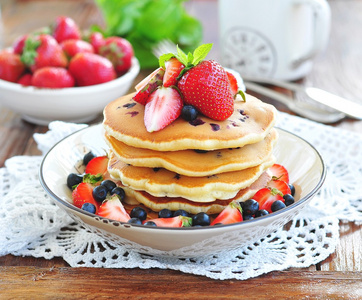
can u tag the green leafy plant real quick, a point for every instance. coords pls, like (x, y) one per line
(144, 23)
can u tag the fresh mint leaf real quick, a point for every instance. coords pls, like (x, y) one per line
(182, 57)
(200, 53)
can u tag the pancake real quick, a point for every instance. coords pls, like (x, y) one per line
(161, 182)
(195, 163)
(158, 203)
(250, 123)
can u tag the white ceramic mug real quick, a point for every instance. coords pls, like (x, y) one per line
(273, 38)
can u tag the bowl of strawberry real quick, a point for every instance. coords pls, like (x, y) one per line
(74, 173)
(59, 73)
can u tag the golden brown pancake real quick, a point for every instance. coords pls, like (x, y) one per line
(195, 163)
(158, 203)
(161, 182)
(250, 123)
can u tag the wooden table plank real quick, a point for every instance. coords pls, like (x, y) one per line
(73, 283)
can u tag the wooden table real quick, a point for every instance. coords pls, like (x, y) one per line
(338, 277)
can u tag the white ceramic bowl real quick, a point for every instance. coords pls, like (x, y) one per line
(306, 170)
(78, 104)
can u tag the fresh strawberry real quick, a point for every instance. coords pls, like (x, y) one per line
(279, 172)
(11, 67)
(113, 209)
(163, 107)
(72, 47)
(266, 197)
(173, 70)
(96, 39)
(83, 194)
(231, 214)
(52, 77)
(148, 85)
(89, 69)
(206, 87)
(43, 51)
(281, 185)
(97, 165)
(19, 43)
(179, 221)
(119, 51)
(65, 28)
(233, 83)
(25, 79)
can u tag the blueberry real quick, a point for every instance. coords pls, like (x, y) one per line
(165, 213)
(74, 179)
(139, 213)
(247, 217)
(109, 184)
(289, 199)
(292, 189)
(135, 221)
(260, 213)
(88, 157)
(201, 218)
(250, 207)
(180, 212)
(119, 191)
(100, 193)
(89, 207)
(150, 223)
(277, 205)
(189, 113)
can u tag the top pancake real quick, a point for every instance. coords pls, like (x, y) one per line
(250, 123)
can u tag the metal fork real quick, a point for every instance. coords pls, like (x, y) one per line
(303, 105)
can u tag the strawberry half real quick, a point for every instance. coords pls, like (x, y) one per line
(231, 214)
(279, 172)
(179, 221)
(83, 194)
(97, 165)
(266, 197)
(113, 209)
(163, 107)
(206, 86)
(281, 185)
(148, 85)
(173, 70)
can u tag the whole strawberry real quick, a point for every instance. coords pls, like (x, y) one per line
(11, 67)
(90, 69)
(119, 51)
(65, 29)
(207, 87)
(72, 47)
(96, 39)
(43, 51)
(52, 77)
(19, 43)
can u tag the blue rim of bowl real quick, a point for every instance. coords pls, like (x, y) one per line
(282, 211)
(132, 72)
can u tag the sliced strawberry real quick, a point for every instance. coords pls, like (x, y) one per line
(179, 221)
(233, 83)
(173, 70)
(162, 108)
(148, 85)
(281, 185)
(113, 208)
(266, 197)
(97, 165)
(231, 214)
(83, 194)
(279, 172)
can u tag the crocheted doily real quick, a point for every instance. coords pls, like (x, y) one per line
(32, 225)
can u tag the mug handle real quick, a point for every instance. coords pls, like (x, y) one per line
(322, 20)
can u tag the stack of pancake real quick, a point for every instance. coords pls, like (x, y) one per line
(198, 166)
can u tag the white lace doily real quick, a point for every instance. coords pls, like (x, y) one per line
(32, 225)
